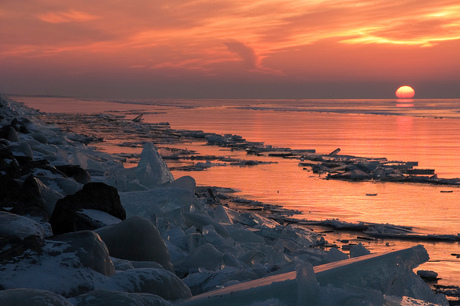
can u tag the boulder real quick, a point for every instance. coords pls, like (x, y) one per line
(102, 297)
(90, 249)
(98, 196)
(14, 246)
(68, 265)
(136, 239)
(154, 281)
(22, 227)
(8, 132)
(26, 297)
(33, 191)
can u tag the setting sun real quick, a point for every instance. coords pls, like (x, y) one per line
(405, 92)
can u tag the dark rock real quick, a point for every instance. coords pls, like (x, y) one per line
(30, 194)
(8, 187)
(76, 172)
(8, 132)
(98, 196)
(89, 248)
(14, 246)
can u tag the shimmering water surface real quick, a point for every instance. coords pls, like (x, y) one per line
(426, 131)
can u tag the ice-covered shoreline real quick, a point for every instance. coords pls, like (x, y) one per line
(173, 244)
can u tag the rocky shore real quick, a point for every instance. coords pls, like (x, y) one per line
(77, 228)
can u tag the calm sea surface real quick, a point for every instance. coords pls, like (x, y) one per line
(426, 131)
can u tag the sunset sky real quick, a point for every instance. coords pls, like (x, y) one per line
(229, 48)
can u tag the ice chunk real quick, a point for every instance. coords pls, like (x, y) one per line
(199, 221)
(170, 202)
(206, 256)
(184, 182)
(367, 278)
(242, 234)
(221, 214)
(335, 254)
(358, 250)
(152, 170)
(307, 285)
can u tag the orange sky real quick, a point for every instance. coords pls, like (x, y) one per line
(230, 49)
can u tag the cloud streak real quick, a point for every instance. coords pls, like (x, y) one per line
(66, 16)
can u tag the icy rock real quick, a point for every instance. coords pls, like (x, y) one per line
(50, 196)
(76, 172)
(21, 149)
(34, 191)
(90, 250)
(335, 254)
(114, 298)
(184, 182)
(57, 269)
(155, 281)
(22, 227)
(14, 246)
(358, 250)
(8, 132)
(39, 137)
(68, 186)
(152, 170)
(99, 196)
(137, 239)
(35, 297)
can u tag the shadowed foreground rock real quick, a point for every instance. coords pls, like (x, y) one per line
(98, 196)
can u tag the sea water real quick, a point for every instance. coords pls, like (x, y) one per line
(425, 131)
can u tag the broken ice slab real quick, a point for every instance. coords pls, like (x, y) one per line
(389, 273)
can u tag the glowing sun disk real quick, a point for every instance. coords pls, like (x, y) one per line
(405, 92)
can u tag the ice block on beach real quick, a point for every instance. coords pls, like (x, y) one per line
(374, 276)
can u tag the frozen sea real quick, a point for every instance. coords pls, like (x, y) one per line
(425, 131)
